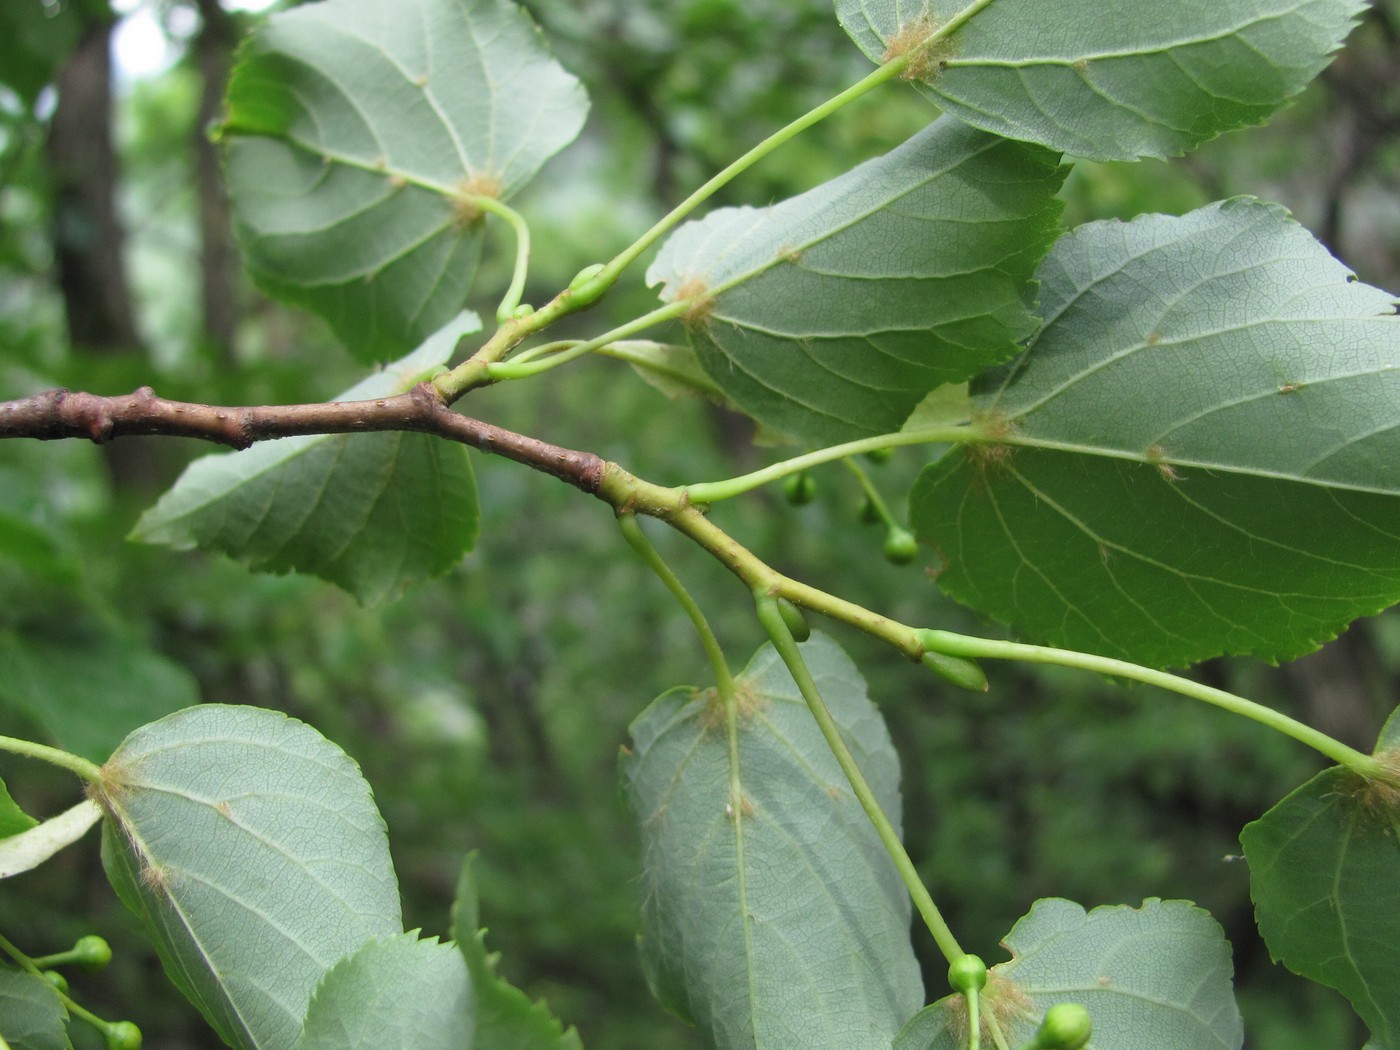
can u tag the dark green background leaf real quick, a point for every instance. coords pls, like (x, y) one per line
(394, 994)
(352, 127)
(1199, 452)
(781, 921)
(1137, 79)
(836, 311)
(31, 1016)
(87, 691)
(1324, 868)
(251, 848)
(373, 513)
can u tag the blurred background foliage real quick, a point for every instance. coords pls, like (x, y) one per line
(487, 710)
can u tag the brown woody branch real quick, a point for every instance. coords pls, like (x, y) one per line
(57, 414)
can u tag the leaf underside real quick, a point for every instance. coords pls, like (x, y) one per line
(373, 513)
(835, 312)
(771, 918)
(1198, 454)
(252, 851)
(354, 128)
(1324, 868)
(1157, 977)
(1137, 78)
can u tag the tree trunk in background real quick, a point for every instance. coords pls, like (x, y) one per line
(87, 233)
(218, 261)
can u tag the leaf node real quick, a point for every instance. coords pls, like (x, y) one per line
(927, 57)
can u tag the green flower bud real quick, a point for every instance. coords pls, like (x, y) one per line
(123, 1035)
(901, 547)
(1066, 1027)
(800, 488)
(57, 980)
(967, 973)
(92, 952)
(795, 619)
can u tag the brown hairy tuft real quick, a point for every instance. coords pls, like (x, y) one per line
(926, 58)
(747, 703)
(696, 291)
(465, 210)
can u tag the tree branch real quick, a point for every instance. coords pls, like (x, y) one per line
(58, 414)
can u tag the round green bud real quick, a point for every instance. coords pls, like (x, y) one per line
(523, 310)
(57, 980)
(967, 973)
(123, 1035)
(869, 513)
(800, 488)
(92, 952)
(879, 455)
(900, 546)
(795, 619)
(584, 276)
(1066, 1027)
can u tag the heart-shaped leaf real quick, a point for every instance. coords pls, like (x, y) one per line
(373, 513)
(1199, 453)
(251, 849)
(831, 315)
(1139, 79)
(357, 133)
(772, 916)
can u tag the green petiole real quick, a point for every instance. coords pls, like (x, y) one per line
(771, 617)
(991, 649)
(74, 764)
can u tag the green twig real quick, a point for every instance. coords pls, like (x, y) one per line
(82, 767)
(632, 531)
(714, 491)
(772, 619)
(521, 369)
(989, 648)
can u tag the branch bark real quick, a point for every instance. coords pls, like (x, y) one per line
(58, 414)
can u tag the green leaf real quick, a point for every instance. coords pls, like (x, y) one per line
(1198, 454)
(31, 1015)
(251, 849)
(673, 370)
(506, 1019)
(835, 312)
(30, 848)
(373, 513)
(394, 994)
(772, 917)
(88, 690)
(1147, 79)
(1157, 977)
(1324, 868)
(353, 130)
(38, 37)
(13, 820)
(1390, 733)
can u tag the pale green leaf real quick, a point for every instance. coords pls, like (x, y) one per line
(1324, 869)
(353, 128)
(673, 370)
(506, 1019)
(31, 1015)
(1198, 454)
(393, 994)
(251, 848)
(773, 918)
(1138, 79)
(88, 690)
(373, 513)
(835, 312)
(13, 820)
(30, 848)
(1157, 977)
